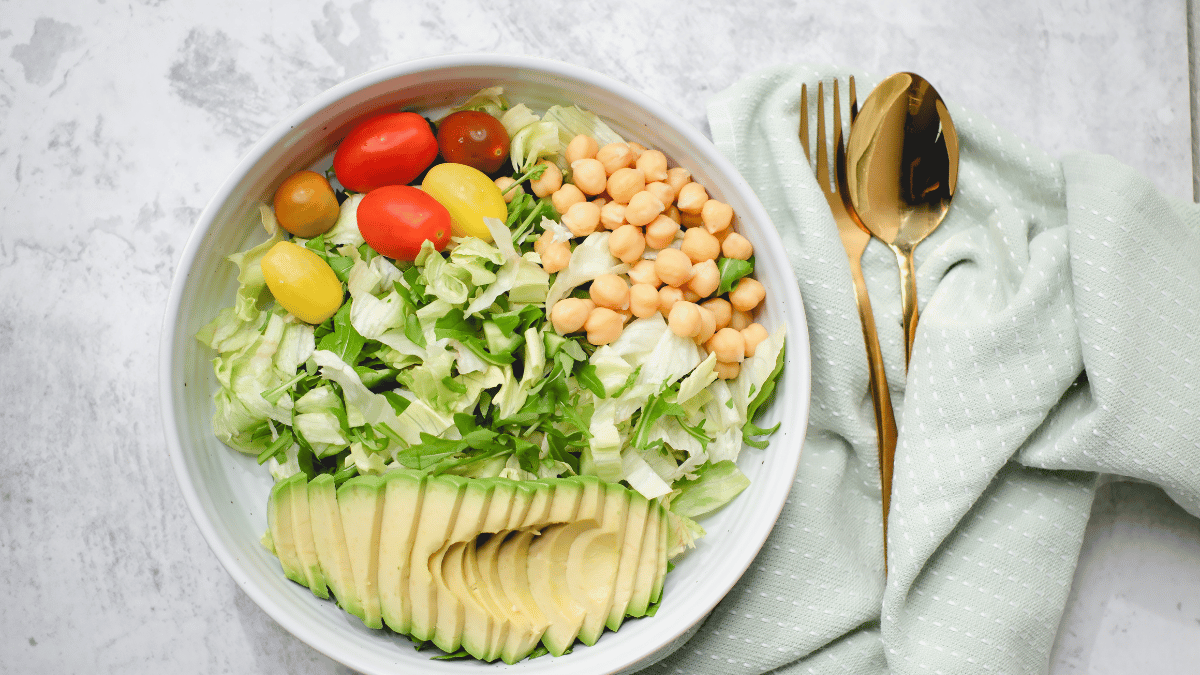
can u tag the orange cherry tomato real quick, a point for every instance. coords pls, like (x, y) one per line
(305, 204)
(473, 138)
(388, 149)
(395, 220)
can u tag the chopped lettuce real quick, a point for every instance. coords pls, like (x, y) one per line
(715, 485)
(573, 121)
(448, 364)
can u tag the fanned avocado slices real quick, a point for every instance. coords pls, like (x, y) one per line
(492, 566)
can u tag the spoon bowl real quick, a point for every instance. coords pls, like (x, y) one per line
(901, 172)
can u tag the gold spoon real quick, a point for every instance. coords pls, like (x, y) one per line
(901, 170)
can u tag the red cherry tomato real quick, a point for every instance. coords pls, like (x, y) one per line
(473, 138)
(388, 149)
(396, 219)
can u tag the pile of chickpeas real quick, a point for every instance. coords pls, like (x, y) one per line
(657, 211)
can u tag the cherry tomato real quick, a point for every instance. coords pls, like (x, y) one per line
(388, 149)
(473, 138)
(396, 219)
(469, 195)
(302, 282)
(305, 204)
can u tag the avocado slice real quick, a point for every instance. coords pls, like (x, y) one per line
(660, 557)
(450, 620)
(499, 509)
(594, 561)
(631, 552)
(483, 580)
(404, 492)
(330, 540)
(478, 624)
(439, 511)
(360, 501)
(279, 523)
(302, 537)
(541, 498)
(548, 556)
(643, 582)
(528, 622)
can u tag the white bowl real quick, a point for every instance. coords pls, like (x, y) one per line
(227, 491)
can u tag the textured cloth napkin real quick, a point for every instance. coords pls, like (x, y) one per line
(1058, 343)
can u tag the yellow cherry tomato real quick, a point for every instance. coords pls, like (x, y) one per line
(305, 204)
(302, 282)
(469, 195)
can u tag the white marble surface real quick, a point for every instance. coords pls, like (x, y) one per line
(118, 120)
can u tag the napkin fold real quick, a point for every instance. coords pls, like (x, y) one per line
(1058, 343)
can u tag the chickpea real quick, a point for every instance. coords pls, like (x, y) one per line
(653, 163)
(690, 220)
(689, 294)
(581, 147)
(708, 325)
(642, 272)
(684, 319)
(673, 267)
(588, 175)
(612, 215)
(747, 294)
(753, 335)
(643, 208)
(505, 182)
(667, 297)
(539, 246)
(582, 218)
(615, 156)
(699, 245)
(556, 256)
(611, 291)
(737, 246)
(569, 314)
(566, 196)
(603, 326)
(716, 215)
(739, 320)
(626, 243)
(677, 177)
(691, 198)
(729, 345)
(643, 300)
(721, 309)
(728, 371)
(705, 278)
(661, 190)
(672, 212)
(624, 183)
(661, 232)
(549, 182)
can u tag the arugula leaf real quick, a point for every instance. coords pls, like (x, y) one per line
(344, 341)
(732, 269)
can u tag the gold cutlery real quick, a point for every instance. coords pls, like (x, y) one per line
(902, 167)
(855, 239)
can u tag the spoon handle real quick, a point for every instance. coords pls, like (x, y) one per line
(881, 398)
(908, 297)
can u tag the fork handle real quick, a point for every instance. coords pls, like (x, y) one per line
(881, 398)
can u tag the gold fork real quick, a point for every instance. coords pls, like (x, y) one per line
(854, 239)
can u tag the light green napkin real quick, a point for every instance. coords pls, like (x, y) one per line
(1059, 340)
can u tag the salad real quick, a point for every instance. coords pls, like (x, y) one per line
(499, 293)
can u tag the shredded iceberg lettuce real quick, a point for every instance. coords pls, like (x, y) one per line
(448, 364)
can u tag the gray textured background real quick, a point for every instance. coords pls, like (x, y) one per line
(119, 119)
